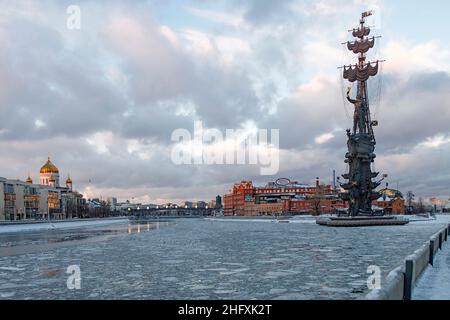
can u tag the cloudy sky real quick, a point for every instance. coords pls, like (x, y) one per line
(104, 100)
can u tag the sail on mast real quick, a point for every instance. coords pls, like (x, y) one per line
(357, 73)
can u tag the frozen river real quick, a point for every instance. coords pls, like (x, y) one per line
(204, 259)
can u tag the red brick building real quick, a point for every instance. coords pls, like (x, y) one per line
(391, 201)
(244, 199)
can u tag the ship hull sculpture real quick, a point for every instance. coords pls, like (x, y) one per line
(360, 187)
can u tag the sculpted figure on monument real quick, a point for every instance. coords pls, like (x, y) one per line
(358, 120)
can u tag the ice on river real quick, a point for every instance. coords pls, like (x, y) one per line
(212, 259)
(26, 227)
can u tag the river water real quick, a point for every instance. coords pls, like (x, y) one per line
(204, 259)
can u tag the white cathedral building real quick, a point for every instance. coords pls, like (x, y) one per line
(49, 176)
(20, 200)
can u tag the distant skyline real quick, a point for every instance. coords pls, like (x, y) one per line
(104, 100)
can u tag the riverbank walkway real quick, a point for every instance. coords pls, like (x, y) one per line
(434, 284)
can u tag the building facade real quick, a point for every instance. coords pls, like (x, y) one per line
(21, 200)
(244, 199)
(391, 201)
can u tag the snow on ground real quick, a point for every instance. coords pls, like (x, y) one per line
(303, 219)
(438, 219)
(434, 284)
(242, 219)
(295, 219)
(58, 225)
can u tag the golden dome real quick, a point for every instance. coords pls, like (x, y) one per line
(29, 180)
(52, 178)
(68, 180)
(49, 167)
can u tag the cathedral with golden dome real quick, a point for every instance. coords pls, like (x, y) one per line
(45, 199)
(49, 176)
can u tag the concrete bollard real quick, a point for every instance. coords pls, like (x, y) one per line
(431, 252)
(409, 273)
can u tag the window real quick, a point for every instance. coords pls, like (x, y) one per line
(53, 200)
(9, 189)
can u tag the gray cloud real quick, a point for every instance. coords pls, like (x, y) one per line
(104, 102)
(264, 11)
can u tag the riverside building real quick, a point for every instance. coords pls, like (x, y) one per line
(244, 199)
(47, 199)
(391, 201)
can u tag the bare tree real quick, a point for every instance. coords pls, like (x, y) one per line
(317, 199)
(420, 206)
(409, 198)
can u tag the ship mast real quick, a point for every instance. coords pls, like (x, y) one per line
(361, 72)
(361, 140)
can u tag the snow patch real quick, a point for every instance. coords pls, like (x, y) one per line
(14, 228)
